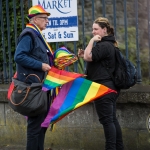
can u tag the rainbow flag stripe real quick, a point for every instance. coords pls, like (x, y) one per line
(56, 77)
(73, 95)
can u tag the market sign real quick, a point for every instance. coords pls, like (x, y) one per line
(63, 21)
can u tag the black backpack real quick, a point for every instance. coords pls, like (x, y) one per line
(125, 74)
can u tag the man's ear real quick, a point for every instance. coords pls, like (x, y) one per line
(34, 19)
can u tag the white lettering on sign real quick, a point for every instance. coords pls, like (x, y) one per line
(64, 22)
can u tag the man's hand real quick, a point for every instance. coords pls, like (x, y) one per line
(45, 67)
(80, 53)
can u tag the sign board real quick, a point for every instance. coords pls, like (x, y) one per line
(63, 21)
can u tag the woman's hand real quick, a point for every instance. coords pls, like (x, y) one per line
(80, 53)
(97, 38)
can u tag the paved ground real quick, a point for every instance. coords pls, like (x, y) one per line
(8, 147)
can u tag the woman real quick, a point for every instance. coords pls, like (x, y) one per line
(97, 56)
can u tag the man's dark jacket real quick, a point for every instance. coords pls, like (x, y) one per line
(30, 53)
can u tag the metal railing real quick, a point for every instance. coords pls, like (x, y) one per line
(12, 21)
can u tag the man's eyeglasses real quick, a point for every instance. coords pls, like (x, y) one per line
(45, 18)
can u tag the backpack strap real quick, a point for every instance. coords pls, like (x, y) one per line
(106, 65)
(107, 69)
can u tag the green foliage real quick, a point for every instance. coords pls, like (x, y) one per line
(11, 26)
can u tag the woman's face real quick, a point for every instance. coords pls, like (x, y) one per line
(97, 30)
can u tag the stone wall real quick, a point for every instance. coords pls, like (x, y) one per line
(80, 130)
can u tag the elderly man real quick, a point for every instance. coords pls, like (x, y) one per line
(33, 56)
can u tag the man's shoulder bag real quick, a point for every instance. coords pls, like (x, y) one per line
(28, 99)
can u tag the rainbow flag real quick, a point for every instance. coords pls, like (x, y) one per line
(56, 78)
(61, 52)
(63, 58)
(73, 95)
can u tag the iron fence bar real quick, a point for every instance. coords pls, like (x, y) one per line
(65, 44)
(93, 14)
(1, 78)
(83, 25)
(29, 3)
(137, 45)
(8, 38)
(125, 26)
(114, 13)
(148, 4)
(57, 45)
(103, 8)
(15, 21)
(22, 13)
(4, 71)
